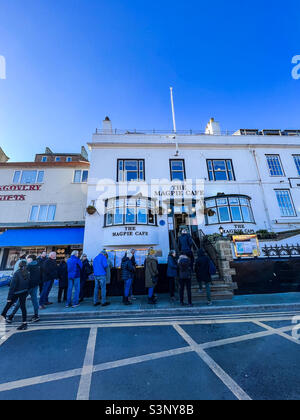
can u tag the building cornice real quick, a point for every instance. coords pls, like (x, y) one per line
(45, 164)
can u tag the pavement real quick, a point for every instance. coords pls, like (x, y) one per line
(286, 301)
(237, 356)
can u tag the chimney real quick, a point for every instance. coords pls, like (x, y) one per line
(213, 128)
(48, 151)
(84, 153)
(107, 126)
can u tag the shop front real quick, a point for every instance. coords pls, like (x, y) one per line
(17, 242)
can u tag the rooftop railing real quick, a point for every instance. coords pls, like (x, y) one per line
(241, 132)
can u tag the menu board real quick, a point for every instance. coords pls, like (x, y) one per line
(246, 246)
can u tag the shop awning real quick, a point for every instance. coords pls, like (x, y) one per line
(41, 237)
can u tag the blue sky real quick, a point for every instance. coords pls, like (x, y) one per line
(72, 62)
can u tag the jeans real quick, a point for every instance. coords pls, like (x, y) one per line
(150, 292)
(22, 299)
(47, 286)
(73, 283)
(127, 287)
(188, 284)
(208, 290)
(100, 282)
(34, 300)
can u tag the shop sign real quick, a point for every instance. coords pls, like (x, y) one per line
(129, 232)
(246, 246)
(238, 229)
(17, 188)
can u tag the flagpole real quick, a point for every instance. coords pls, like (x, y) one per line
(174, 121)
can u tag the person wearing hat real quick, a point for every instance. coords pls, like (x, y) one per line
(151, 275)
(18, 291)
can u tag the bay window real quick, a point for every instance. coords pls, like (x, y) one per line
(228, 209)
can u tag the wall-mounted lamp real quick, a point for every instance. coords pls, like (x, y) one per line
(221, 230)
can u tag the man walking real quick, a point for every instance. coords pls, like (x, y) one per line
(50, 273)
(74, 271)
(100, 272)
(41, 260)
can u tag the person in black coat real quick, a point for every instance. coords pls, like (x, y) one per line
(172, 273)
(85, 272)
(41, 260)
(185, 278)
(34, 283)
(127, 273)
(202, 269)
(18, 290)
(50, 273)
(63, 280)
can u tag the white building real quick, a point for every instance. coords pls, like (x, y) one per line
(251, 183)
(42, 205)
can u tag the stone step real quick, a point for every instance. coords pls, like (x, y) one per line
(222, 295)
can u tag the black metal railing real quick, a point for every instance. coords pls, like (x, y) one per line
(281, 251)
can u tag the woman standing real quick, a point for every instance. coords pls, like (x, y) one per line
(202, 268)
(18, 290)
(85, 272)
(127, 270)
(151, 275)
(172, 273)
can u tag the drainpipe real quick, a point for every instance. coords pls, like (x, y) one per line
(253, 152)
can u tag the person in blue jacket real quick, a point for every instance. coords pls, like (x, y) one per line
(185, 245)
(100, 272)
(172, 273)
(74, 270)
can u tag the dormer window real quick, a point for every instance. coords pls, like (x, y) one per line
(44, 159)
(57, 159)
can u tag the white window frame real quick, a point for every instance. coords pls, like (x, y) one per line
(39, 206)
(29, 183)
(280, 164)
(44, 159)
(81, 176)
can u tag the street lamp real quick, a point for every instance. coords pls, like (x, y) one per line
(221, 230)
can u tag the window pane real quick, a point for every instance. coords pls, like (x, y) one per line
(285, 203)
(119, 213)
(131, 165)
(244, 201)
(213, 219)
(110, 203)
(222, 202)
(85, 175)
(109, 218)
(210, 203)
(219, 165)
(236, 214)
(40, 178)
(34, 213)
(246, 214)
(224, 214)
(17, 176)
(43, 214)
(297, 162)
(77, 176)
(234, 201)
(130, 215)
(131, 176)
(57, 159)
(28, 177)
(142, 216)
(51, 213)
(177, 165)
(275, 165)
(177, 176)
(221, 176)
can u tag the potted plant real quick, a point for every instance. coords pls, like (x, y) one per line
(91, 210)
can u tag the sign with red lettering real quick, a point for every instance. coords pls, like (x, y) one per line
(20, 188)
(16, 189)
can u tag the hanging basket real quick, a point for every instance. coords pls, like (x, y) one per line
(91, 210)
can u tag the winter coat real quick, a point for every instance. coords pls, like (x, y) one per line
(19, 284)
(34, 274)
(108, 272)
(172, 270)
(63, 274)
(50, 272)
(41, 261)
(100, 265)
(127, 269)
(185, 269)
(86, 270)
(151, 271)
(185, 243)
(74, 267)
(202, 267)
(16, 266)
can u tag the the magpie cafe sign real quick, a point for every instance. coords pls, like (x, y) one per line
(129, 232)
(16, 189)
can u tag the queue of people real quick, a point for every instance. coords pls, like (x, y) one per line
(33, 275)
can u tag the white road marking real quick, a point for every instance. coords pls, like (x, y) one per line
(87, 370)
(218, 371)
(279, 331)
